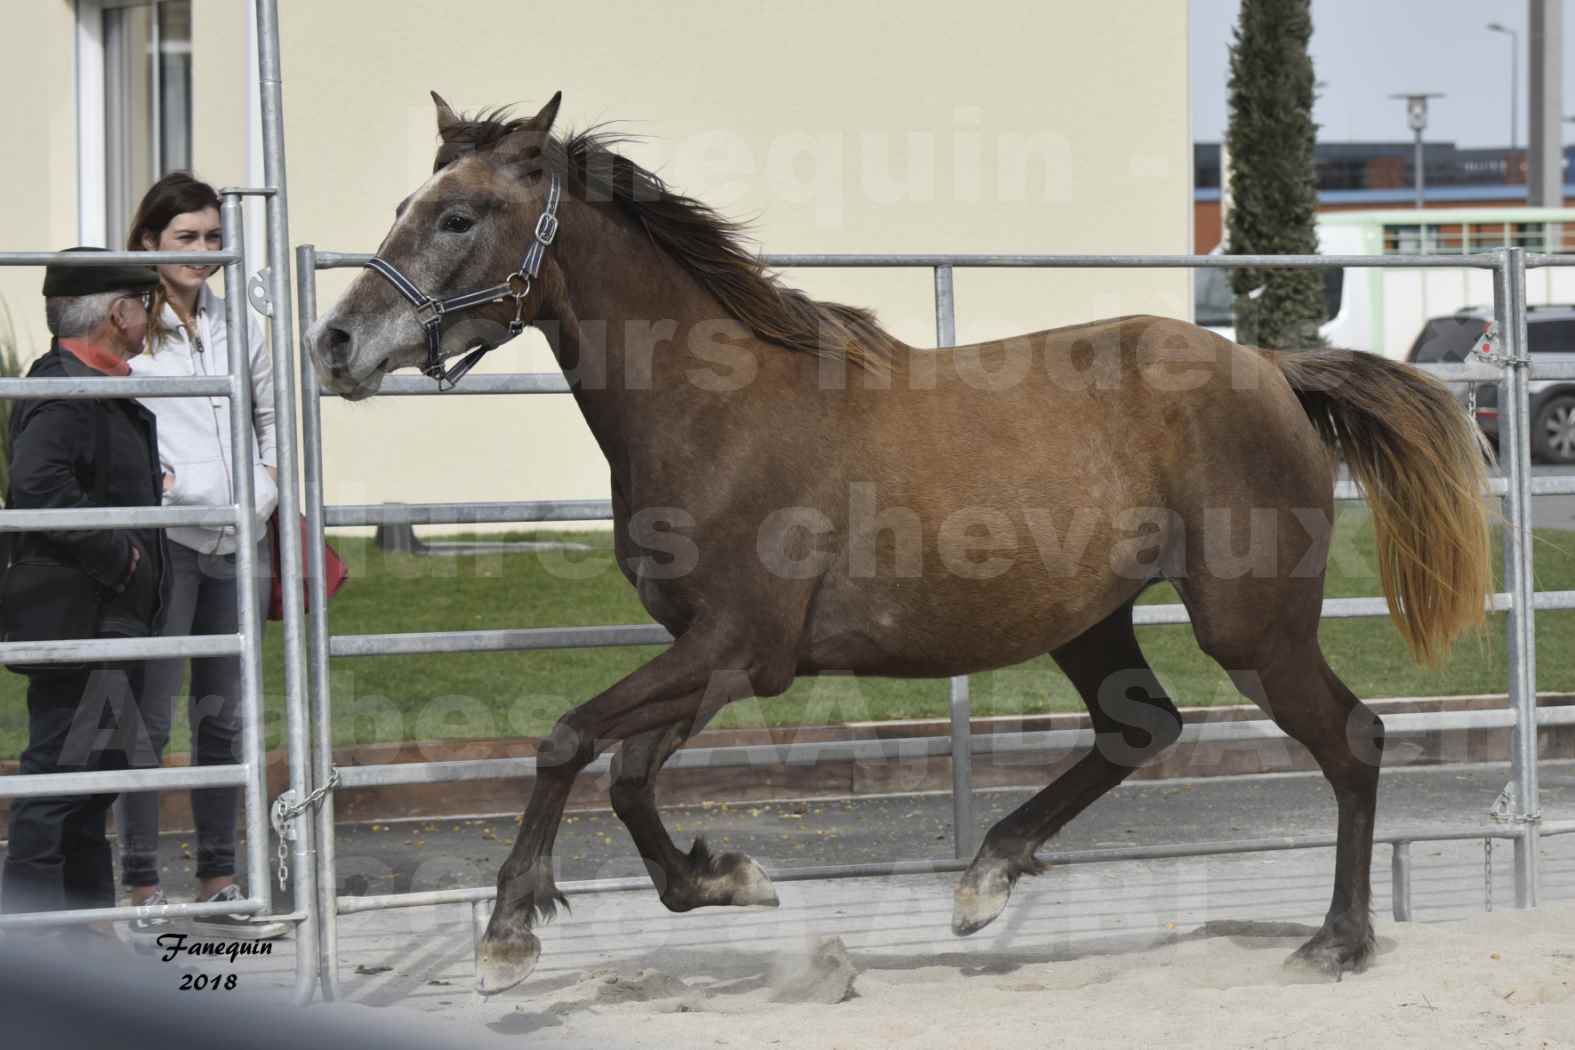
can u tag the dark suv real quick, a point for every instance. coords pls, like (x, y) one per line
(1551, 332)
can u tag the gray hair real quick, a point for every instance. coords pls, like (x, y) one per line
(73, 316)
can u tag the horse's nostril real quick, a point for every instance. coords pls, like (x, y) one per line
(336, 343)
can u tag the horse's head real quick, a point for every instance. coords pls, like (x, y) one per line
(466, 230)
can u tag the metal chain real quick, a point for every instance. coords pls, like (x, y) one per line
(1505, 808)
(1487, 874)
(284, 812)
(1482, 350)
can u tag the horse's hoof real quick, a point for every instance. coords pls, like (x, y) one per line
(504, 962)
(731, 879)
(752, 887)
(1330, 958)
(980, 896)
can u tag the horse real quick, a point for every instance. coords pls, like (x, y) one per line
(797, 492)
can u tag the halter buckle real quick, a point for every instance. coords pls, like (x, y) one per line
(546, 228)
(429, 313)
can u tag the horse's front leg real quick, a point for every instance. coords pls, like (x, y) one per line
(689, 880)
(658, 694)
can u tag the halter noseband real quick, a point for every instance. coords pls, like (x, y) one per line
(431, 312)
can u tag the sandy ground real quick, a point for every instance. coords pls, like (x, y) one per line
(1089, 954)
(1505, 979)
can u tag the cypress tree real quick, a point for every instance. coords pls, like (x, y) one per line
(1274, 194)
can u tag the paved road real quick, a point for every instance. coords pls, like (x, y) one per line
(395, 857)
(399, 856)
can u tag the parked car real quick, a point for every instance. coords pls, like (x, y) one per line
(1550, 330)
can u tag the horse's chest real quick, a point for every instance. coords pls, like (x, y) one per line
(665, 602)
(659, 585)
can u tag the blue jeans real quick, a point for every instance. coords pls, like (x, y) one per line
(202, 601)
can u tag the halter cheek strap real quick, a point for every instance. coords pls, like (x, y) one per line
(431, 312)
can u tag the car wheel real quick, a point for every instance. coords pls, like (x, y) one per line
(1553, 433)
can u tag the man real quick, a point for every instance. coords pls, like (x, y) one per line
(81, 453)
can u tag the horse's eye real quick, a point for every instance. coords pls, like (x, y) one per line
(457, 224)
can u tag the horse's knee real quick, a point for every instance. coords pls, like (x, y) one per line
(566, 750)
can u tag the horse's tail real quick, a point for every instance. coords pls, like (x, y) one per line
(1420, 460)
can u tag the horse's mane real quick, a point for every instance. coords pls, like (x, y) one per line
(710, 247)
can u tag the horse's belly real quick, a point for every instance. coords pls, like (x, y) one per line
(864, 627)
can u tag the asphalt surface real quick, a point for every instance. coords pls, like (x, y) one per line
(427, 854)
(398, 856)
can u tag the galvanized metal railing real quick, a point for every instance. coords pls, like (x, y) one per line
(250, 773)
(289, 816)
(1519, 600)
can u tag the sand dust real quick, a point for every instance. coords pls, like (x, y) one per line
(1504, 979)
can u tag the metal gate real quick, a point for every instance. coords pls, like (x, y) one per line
(250, 773)
(270, 294)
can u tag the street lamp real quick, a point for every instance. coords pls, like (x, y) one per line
(1514, 79)
(1416, 118)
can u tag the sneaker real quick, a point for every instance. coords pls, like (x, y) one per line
(235, 927)
(151, 929)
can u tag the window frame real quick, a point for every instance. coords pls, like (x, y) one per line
(93, 120)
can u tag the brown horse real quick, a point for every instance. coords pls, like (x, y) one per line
(797, 492)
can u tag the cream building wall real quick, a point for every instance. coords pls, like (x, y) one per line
(923, 126)
(38, 196)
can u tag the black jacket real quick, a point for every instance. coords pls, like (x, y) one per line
(53, 466)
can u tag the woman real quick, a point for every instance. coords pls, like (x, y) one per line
(187, 336)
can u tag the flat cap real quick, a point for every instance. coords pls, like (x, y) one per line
(91, 280)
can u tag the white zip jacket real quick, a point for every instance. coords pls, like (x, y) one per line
(194, 432)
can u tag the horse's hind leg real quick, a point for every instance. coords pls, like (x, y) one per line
(1133, 721)
(684, 880)
(1264, 633)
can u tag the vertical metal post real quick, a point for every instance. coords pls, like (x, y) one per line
(1515, 449)
(241, 452)
(317, 636)
(960, 701)
(1545, 98)
(945, 308)
(1421, 199)
(480, 913)
(1401, 882)
(272, 98)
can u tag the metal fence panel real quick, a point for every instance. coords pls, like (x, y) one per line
(1520, 600)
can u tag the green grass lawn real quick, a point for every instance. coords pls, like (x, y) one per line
(472, 695)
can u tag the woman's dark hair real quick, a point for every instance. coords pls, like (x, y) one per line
(175, 194)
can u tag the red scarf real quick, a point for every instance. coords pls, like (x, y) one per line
(96, 358)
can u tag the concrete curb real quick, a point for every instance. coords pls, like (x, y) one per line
(849, 777)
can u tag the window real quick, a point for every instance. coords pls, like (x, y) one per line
(1446, 340)
(1551, 337)
(1214, 304)
(147, 101)
(1464, 238)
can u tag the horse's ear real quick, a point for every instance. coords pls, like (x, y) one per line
(447, 119)
(531, 136)
(543, 120)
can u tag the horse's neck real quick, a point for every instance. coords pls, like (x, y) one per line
(618, 322)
